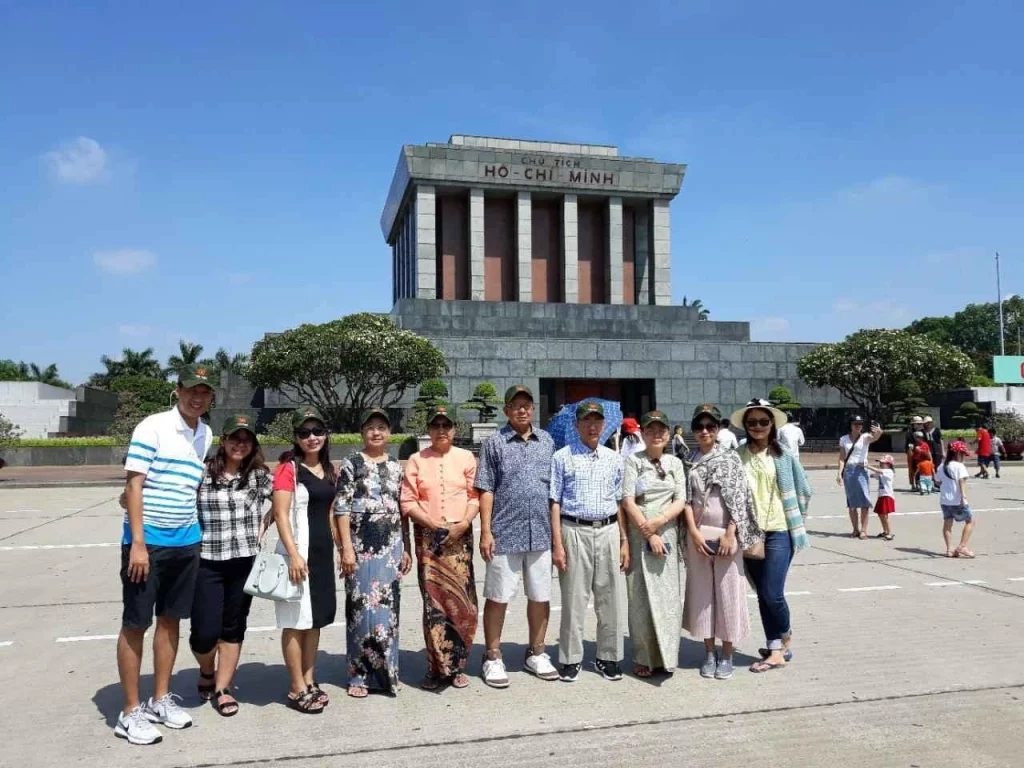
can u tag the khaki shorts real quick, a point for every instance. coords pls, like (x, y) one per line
(503, 572)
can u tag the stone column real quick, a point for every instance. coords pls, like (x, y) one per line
(570, 250)
(662, 247)
(643, 256)
(615, 287)
(524, 245)
(476, 244)
(426, 243)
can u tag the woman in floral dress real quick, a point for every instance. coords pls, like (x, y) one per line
(375, 555)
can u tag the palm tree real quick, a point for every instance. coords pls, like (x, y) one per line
(702, 311)
(228, 362)
(48, 375)
(132, 363)
(189, 355)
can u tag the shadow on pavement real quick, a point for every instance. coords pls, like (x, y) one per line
(919, 551)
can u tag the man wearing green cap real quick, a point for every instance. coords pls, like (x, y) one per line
(515, 533)
(588, 530)
(160, 550)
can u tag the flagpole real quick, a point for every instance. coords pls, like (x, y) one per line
(999, 293)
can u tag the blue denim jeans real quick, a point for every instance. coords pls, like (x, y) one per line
(769, 579)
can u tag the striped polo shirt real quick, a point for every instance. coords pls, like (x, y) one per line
(170, 454)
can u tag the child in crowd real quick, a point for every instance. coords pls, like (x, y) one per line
(998, 451)
(953, 500)
(886, 503)
(925, 476)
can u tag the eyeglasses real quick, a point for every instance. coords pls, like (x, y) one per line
(656, 463)
(443, 426)
(705, 426)
(758, 422)
(520, 407)
(303, 433)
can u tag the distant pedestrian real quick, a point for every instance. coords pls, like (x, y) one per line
(305, 484)
(654, 495)
(998, 450)
(853, 475)
(926, 476)
(726, 438)
(720, 522)
(791, 436)
(440, 496)
(589, 543)
(632, 440)
(953, 500)
(512, 478)
(885, 505)
(679, 447)
(781, 494)
(933, 436)
(916, 425)
(983, 447)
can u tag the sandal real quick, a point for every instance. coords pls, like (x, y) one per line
(887, 536)
(855, 534)
(862, 535)
(764, 666)
(318, 693)
(460, 680)
(641, 671)
(225, 708)
(430, 682)
(964, 553)
(358, 691)
(305, 702)
(787, 654)
(206, 690)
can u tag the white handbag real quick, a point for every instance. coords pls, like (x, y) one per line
(269, 578)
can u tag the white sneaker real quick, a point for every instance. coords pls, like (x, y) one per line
(539, 664)
(135, 727)
(167, 712)
(494, 673)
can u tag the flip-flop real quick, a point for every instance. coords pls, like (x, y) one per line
(765, 666)
(358, 691)
(787, 654)
(965, 553)
(862, 535)
(950, 553)
(642, 671)
(460, 680)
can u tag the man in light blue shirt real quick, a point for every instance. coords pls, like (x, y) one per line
(589, 545)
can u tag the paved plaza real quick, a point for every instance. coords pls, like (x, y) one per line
(902, 658)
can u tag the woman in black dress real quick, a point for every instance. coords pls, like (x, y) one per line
(304, 490)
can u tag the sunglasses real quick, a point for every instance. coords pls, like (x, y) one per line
(656, 463)
(442, 425)
(705, 426)
(303, 433)
(758, 422)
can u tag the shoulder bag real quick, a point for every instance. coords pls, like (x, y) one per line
(268, 577)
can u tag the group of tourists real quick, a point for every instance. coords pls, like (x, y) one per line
(194, 527)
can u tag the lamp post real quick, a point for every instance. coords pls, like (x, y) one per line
(999, 294)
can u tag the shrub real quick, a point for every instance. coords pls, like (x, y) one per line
(484, 398)
(280, 429)
(782, 398)
(150, 392)
(9, 433)
(968, 415)
(1009, 425)
(345, 438)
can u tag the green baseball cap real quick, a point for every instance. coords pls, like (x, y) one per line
(517, 389)
(588, 407)
(194, 375)
(236, 423)
(707, 409)
(369, 413)
(439, 410)
(305, 413)
(654, 417)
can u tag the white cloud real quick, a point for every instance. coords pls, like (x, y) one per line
(134, 330)
(81, 161)
(769, 328)
(126, 261)
(886, 190)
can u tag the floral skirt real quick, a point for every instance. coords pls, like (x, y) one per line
(448, 589)
(371, 617)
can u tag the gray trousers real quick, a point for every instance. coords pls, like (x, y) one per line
(593, 570)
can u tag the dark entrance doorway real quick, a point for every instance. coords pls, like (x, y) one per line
(636, 396)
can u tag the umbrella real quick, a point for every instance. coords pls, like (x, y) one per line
(562, 426)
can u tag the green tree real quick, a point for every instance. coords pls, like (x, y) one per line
(188, 354)
(867, 364)
(9, 434)
(132, 363)
(346, 365)
(152, 395)
(48, 375)
(485, 397)
(12, 371)
(968, 415)
(281, 428)
(432, 392)
(905, 401)
(702, 312)
(783, 399)
(236, 364)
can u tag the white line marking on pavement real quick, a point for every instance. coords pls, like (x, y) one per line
(1016, 578)
(870, 589)
(753, 595)
(6, 643)
(83, 638)
(975, 581)
(26, 547)
(914, 514)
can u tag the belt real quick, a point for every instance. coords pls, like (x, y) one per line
(592, 523)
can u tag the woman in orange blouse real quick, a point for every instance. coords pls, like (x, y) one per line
(438, 495)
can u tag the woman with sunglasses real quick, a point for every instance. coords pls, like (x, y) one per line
(853, 473)
(781, 495)
(375, 555)
(720, 524)
(438, 494)
(304, 490)
(654, 494)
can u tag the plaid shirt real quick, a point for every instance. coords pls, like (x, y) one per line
(230, 516)
(587, 484)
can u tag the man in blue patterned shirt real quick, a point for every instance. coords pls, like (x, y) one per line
(588, 529)
(515, 533)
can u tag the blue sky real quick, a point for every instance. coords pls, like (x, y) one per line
(213, 171)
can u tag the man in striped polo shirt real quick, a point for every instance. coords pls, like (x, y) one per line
(160, 550)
